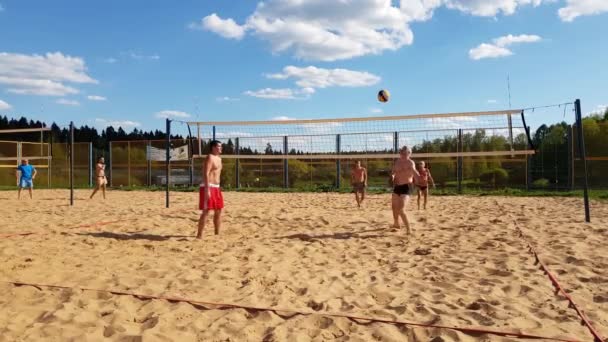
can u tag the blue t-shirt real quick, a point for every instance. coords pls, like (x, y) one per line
(26, 171)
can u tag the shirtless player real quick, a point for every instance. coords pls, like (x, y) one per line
(100, 178)
(358, 179)
(423, 183)
(403, 174)
(210, 194)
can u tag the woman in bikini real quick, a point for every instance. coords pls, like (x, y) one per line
(423, 182)
(100, 177)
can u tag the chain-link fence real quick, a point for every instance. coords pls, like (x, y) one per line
(131, 165)
(53, 172)
(555, 166)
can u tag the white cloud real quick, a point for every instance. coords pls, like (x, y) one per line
(110, 60)
(281, 94)
(282, 118)
(42, 75)
(313, 77)
(333, 30)
(492, 101)
(117, 123)
(511, 39)
(96, 98)
(67, 102)
(498, 47)
(577, 8)
(490, 8)
(599, 110)
(488, 51)
(164, 114)
(309, 78)
(328, 31)
(453, 122)
(26, 86)
(139, 56)
(227, 99)
(1, 8)
(226, 28)
(376, 110)
(4, 105)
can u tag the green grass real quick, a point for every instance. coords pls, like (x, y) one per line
(512, 192)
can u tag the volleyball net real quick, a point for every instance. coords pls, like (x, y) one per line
(319, 153)
(495, 133)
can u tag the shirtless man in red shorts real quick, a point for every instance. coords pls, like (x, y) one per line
(210, 194)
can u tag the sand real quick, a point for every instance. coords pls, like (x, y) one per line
(464, 266)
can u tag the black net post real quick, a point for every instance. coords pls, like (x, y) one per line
(583, 156)
(237, 163)
(395, 142)
(285, 163)
(167, 161)
(190, 157)
(338, 161)
(71, 152)
(459, 162)
(570, 157)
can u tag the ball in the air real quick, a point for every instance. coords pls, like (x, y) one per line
(383, 95)
(257, 179)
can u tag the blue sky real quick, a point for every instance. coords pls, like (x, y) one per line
(130, 63)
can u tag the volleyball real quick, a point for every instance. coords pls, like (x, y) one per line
(383, 95)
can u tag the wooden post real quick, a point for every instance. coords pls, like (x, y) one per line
(149, 163)
(111, 166)
(459, 162)
(128, 163)
(90, 165)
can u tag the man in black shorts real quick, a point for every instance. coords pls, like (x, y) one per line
(358, 179)
(403, 174)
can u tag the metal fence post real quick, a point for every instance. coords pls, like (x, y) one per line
(285, 163)
(583, 155)
(338, 161)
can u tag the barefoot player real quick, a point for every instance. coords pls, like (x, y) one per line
(403, 175)
(358, 179)
(100, 177)
(210, 194)
(423, 182)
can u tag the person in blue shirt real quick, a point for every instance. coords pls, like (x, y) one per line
(26, 174)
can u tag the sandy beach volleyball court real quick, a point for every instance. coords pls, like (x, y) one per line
(465, 267)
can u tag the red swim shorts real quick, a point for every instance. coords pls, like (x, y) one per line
(214, 202)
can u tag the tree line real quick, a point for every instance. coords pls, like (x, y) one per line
(552, 165)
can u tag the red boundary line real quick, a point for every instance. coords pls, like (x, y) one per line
(219, 306)
(559, 288)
